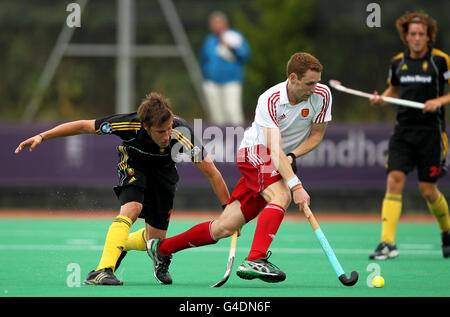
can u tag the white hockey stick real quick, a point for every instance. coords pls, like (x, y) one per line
(407, 103)
(231, 257)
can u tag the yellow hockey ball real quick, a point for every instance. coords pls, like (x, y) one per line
(378, 281)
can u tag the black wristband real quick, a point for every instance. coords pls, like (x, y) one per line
(293, 164)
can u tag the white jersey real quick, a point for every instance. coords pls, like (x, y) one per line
(294, 121)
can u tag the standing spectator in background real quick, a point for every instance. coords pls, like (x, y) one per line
(419, 139)
(222, 58)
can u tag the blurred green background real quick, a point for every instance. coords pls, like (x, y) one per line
(85, 87)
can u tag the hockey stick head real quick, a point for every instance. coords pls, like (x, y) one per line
(349, 281)
(227, 273)
(221, 282)
(231, 257)
(333, 83)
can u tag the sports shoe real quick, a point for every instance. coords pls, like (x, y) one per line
(446, 244)
(102, 277)
(160, 262)
(384, 251)
(261, 269)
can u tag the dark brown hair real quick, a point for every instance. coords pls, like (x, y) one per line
(404, 21)
(155, 110)
(300, 62)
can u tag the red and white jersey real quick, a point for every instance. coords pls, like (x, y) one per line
(294, 121)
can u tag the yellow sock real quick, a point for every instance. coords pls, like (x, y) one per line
(439, 209)
(136, 241)
(115, 242)
(390, 213)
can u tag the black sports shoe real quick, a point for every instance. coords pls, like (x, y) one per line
(261, 269)
(384, 251)
(160, 262)
(102, 277)
(446, 244)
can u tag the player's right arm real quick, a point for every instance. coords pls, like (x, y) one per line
(62, 130)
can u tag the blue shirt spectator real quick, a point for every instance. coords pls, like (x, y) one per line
(221, 65)
(222, 58)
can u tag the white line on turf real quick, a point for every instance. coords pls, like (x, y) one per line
(51, 247)
(415, 246)
(80, 241)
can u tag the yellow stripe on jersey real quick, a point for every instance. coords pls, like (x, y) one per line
(398, 56)
(183, 140)
(123, 164)
(445, 145)
(437, 52)
(126, 124)
(126, 128)
(121, 126)
(440, 53)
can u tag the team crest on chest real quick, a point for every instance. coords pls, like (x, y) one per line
(305, 112)
(425, 66)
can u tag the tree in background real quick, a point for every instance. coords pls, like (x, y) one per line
(275, 30)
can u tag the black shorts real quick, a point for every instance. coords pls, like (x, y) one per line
(149, 189)
(424, 149)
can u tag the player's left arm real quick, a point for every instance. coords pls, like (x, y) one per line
(313, 141)
(213, 175)
(432, 104)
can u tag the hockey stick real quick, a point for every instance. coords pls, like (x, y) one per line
(231, 257)
(329, 251)
(407, 103)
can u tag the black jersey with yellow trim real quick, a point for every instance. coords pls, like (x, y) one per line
(420, 80)
(140, 147)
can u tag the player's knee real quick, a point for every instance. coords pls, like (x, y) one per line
(221, 230)
(430, 193)
(282, 198)
(395, 182)
(131, 210)
(226, 232)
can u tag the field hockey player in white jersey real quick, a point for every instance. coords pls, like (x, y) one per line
(291, 117)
